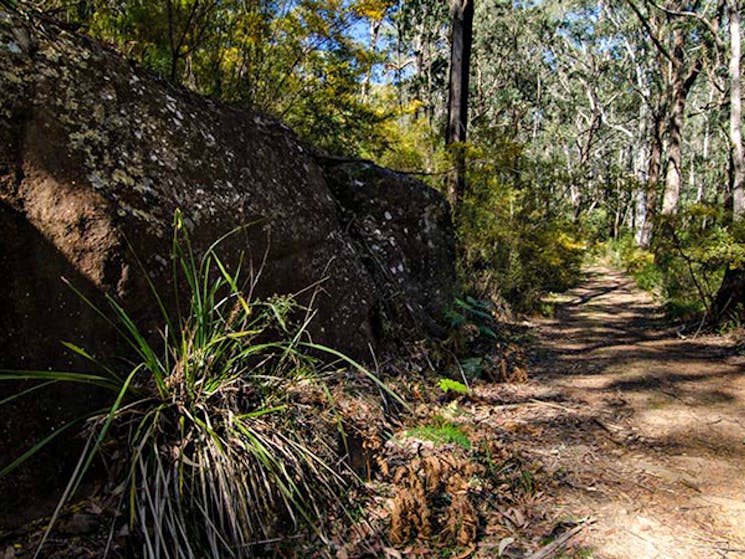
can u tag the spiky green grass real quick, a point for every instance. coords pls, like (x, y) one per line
(221, 454)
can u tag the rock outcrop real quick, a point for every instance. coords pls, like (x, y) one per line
(401, 229)
(96, 155)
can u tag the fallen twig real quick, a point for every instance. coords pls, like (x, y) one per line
(551, 548)
(551, 405)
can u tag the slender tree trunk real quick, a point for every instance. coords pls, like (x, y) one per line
(653, 178)
(640, 161)
(640, 215)
(735, 114)
(374, 34)
(680, 86)
(674, 175)
(701, 191)
(461, 12)
(732, 291)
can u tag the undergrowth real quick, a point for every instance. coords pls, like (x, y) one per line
(684, 268)
(223, 449)
(441, 431)
(513, 244)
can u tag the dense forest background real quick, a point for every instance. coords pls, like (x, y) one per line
(606, 125)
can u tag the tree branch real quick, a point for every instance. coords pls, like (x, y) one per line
(645, 23)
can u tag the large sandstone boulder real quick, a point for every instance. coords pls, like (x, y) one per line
(401, 229)
(96, 155)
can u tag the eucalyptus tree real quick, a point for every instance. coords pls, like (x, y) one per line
(683, 33)
(419, 60)
(588, 111)
(461, 40)
(300, 60)
(510, 70)
(731, 295)
(735, 120)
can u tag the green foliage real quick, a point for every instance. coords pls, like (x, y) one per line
(449, 385)
(297, 60)
(527, 480)
(473, 336)
(441, 432)
(685, 265)
(516, 241)
(638, 262)
(513, 236)
(331, 113)
(472, 311)
(210, 419)
(411, 142)
(691, 260)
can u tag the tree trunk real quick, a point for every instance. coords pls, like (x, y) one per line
(461, 12)
(674, 176)
(653, 178)
(680, 85)
(735, 114)
(640, 160)
(731, 294)
(701, 190)
(375, 25)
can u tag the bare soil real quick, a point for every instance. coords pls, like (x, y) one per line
(640, 429)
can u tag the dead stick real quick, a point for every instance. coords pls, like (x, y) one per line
(549, 549)
(550, 405)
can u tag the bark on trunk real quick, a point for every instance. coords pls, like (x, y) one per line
(640, 162)
(461, 12)
(731, 295)
(680, 86)
(735, 117)
(653, 178)
(673, 178)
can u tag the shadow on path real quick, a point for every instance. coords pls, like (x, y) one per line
(648, 427)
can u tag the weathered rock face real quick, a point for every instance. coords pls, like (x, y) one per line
(402, 230)
(95, 157)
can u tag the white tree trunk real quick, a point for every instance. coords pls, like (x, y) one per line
(735, 115)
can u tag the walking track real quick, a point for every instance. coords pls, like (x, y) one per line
(648, 427)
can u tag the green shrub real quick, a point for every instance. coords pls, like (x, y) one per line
(685, 265)
(475, 312)
(513, 241)
(640, 263)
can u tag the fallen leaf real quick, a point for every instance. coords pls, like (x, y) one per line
(78, 524)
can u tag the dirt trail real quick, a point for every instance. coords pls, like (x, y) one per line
(646, 429)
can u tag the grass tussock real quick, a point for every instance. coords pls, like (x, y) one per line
(226, 422)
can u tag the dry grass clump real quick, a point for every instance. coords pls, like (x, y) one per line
(449, 495)
(507, 364)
